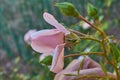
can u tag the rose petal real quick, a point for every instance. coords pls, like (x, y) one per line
(86, 25)
(58, 59)
(51, 20)
(45, 41)
(27, 38)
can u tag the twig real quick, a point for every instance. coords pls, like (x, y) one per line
(83, 53)
(103, 34)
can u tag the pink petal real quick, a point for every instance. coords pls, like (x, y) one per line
(45, 41)
(58, 59)
(86, 25)
(51, 20)
(27, 38)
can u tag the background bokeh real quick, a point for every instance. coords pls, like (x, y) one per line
(17, 59)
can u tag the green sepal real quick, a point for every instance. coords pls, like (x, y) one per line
(72, 39)
(47, 60)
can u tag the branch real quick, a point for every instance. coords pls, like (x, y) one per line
(84, 53)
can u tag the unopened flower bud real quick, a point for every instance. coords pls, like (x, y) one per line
(67, 9)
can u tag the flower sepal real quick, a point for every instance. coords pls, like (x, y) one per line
(71, 39)
(47, 60)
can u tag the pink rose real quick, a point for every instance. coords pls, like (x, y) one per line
(51, 41)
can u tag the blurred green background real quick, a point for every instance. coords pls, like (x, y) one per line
(17, 60)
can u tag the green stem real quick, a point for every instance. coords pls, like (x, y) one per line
(102, 32)
(105, 52)
(117, 73)
(77, 32)
(106, 57)
(93, 76)
(90, 38)
(86, 36)
(83, 53)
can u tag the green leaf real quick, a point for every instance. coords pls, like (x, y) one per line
(115, 52)
(91, 10)
(67, 9)
(118, 64)
(47, 60)
(108, 2)
(105, 26)
(103, 67)
(81, 65)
